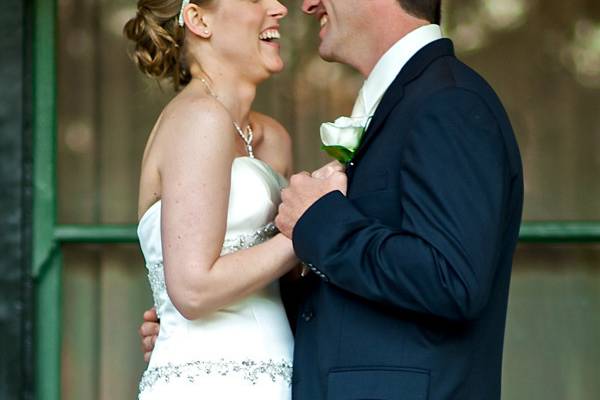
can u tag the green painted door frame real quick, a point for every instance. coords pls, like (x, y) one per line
(46, 262)
(48, 236)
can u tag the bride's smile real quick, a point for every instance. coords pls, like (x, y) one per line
(270, 36)
(244, 38)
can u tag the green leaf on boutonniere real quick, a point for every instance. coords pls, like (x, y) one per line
(340, 153)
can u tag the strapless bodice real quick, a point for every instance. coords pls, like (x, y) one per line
(253, 201)
(244, 338)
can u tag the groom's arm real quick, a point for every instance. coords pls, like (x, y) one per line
(441, 261)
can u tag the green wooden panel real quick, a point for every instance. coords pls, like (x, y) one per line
(96, 233)
(48, 330)
(531, 232)
(560, 232)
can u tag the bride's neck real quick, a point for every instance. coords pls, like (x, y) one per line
(234, 93)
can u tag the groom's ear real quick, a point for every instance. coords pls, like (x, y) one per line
(197, 21)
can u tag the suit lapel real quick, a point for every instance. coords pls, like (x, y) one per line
(392, 96)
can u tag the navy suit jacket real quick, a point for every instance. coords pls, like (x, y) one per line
(411, 270)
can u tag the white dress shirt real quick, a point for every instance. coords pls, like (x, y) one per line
(388, 67)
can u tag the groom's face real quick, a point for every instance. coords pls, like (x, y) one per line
(341, 22)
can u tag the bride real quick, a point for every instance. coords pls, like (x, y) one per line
(210, 185)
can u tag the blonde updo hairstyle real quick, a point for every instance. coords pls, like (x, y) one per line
(159, 40)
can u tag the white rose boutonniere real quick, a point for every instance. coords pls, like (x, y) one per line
(342, 137)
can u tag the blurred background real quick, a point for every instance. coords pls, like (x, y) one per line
(542, 57)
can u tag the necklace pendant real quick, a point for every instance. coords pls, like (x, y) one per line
(246, 137)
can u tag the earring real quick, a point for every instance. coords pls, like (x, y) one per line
(206, 32)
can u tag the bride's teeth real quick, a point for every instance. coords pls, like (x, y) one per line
(324, 20)
(271, 34)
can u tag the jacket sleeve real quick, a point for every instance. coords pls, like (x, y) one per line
(442, 260)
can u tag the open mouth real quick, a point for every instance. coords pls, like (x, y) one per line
(270, 36)
(323, 20)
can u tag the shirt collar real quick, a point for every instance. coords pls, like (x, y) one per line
(390, 64)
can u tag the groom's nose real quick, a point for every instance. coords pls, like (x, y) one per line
(310, 6)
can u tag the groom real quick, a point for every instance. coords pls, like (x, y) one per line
(411, 261)
(411, 250)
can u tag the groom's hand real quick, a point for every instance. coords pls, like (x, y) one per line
(302, 192)
(149, 332)
(328, 169)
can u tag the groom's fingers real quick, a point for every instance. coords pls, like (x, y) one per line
(303, 191)
(339, 181)
(148, 343)
(321, 173)
(282, 222)
(328, 169)
(150, 315)
(149, 329)
(336, 166)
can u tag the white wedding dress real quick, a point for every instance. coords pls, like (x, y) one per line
(242, 351)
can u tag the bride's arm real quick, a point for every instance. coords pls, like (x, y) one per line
(198, 150)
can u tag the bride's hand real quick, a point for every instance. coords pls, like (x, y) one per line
(149, 332)
(327, 170)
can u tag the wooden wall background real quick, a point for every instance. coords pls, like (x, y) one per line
(543, 57)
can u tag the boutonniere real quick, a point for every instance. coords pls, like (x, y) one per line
(342, 137)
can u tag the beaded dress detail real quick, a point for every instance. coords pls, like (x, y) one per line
(243, 351)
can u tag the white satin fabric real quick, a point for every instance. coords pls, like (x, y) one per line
(243, 351)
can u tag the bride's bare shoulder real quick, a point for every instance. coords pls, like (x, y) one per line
(195, 120)
(195, 113)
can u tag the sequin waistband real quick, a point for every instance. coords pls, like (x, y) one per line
(247, 370)
(156, 274)
(248, 240)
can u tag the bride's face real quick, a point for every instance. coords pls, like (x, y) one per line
(245, 34)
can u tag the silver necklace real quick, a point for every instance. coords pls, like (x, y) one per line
(246, 137)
